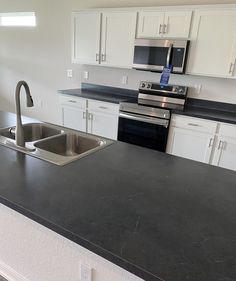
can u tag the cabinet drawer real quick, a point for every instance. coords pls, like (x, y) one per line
(105, 107)
(73, 101)
(228, 130)
(192, 123)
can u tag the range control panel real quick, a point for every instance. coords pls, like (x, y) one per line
(168, 89)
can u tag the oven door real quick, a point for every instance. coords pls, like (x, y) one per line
(143, 131)
(154, 55)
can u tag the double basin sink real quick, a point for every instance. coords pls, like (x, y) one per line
(53, 143)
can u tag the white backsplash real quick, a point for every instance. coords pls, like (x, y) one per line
(209, 88)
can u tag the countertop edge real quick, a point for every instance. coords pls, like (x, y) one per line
(139, 272)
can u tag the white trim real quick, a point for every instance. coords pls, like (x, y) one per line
(10, 274)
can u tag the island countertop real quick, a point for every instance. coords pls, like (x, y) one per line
(158, 216)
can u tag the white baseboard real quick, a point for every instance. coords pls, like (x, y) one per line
(10, 274)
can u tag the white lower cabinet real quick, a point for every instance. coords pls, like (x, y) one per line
(225, 152)
(203, 140)
(94, 117)
(103, 124)
(190, 144)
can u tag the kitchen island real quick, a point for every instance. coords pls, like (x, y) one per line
(157, 216)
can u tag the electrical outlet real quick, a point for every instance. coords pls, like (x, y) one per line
(86, 75)
(85, 273)
(69, 73)
(124, 79)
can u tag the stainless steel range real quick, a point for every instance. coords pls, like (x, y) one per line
(145, 122)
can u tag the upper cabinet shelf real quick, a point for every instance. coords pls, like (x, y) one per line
(156, 24)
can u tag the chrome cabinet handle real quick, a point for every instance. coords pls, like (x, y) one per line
(72, 101)
(97, 57)
(220, 145)
(103, 57)
(90, 116)
(84, 115)
(211, 142)
(231, 68)
(160, 29)
(165, 27)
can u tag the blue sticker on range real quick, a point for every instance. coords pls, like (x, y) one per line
(165, 76)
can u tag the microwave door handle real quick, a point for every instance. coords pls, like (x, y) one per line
(169, 55)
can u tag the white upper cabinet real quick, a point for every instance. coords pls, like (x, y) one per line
(177, 24)
(213, 43)
(103, 38)
(150, 24)
(86, 37)
(157, 24)
(118, 34)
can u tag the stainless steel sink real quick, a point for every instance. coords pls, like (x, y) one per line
(32, 132)
(52, 143)
(69, 144)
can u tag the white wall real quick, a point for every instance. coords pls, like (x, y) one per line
(31, 252)
(42, 54)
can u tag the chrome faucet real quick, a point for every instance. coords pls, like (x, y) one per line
(20, 139)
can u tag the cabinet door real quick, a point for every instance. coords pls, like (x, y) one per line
(74, 118)
(177, 24)
(150, 24)
(213, 45)
(118, 34)
(225, 154)
(190, 144)
(102, 124)
(86, 28)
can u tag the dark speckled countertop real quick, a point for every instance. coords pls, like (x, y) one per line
(158, 216)
(217, 111)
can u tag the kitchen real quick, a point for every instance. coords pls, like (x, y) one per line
(41, 55)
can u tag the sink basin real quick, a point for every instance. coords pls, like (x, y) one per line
(69, 144)
(32, 132)
(53, 143)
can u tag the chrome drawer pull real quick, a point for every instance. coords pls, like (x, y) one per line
(103, 107)
(193, 124)
(73, 101)
(97, 57)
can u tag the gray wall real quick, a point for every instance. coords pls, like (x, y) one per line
(41, 56)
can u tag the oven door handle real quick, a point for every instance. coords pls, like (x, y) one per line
(157, 121)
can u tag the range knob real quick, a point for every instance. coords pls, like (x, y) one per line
(143, 85)
(181, 90)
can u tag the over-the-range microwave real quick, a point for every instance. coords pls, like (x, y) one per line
(154, 55)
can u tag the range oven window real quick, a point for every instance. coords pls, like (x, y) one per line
(144, 134)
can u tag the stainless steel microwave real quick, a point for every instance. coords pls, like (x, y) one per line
(154, 55)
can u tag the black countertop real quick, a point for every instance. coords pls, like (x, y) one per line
(158, 216)
(216, 111)
(211, 110)
(102, 93)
